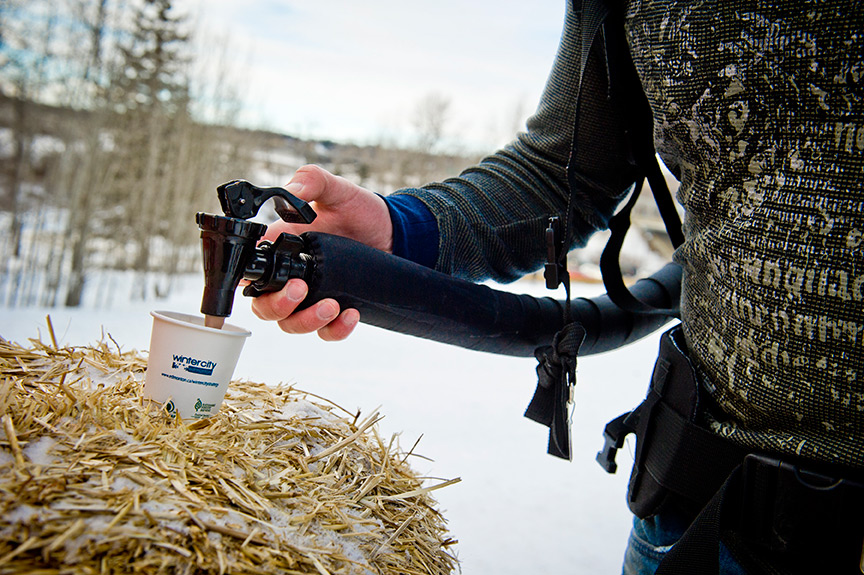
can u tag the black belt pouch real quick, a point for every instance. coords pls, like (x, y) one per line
(678, 462)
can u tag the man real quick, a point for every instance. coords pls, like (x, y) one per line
(758, 107)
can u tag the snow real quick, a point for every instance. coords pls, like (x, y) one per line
(40, 451)
(517, 510)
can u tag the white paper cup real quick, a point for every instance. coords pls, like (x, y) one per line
(190, 365)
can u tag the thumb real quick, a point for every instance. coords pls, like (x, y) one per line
(315, 184)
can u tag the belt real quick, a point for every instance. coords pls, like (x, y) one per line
(789, 515)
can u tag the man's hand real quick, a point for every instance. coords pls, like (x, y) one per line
(343, 209)
(323, 317)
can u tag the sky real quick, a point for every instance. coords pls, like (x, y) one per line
(355, 71)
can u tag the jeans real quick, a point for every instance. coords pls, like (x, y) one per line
(651, 539)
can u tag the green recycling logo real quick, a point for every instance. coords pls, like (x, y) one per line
(201, 406)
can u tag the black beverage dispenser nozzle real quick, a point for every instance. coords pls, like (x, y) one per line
(232, 253)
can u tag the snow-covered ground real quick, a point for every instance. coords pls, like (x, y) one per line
(517, 510)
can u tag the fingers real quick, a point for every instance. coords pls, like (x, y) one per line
(324, 191)
(276, 306)
(341, 327)
(343, 209)
(323, 317)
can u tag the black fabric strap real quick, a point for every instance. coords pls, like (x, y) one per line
(556, 375)
(698, 550)
(627, 93)
(680, 464)
(556, 369)
(557, 363)
(610, 264)
(777, 519)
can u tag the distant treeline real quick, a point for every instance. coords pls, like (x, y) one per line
(108, 175)
(112, 137)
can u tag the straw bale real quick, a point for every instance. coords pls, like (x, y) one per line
(96, 479)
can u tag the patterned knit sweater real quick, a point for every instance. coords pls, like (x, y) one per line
(759, 107)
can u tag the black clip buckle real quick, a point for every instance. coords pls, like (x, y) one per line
(554, 271)
(614, 434)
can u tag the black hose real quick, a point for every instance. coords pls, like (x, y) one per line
(405, 297)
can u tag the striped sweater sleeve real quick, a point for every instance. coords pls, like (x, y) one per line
(492, 218)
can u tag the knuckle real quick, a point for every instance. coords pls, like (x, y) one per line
(272, 306)
(300, 322)
(340, 328)
(290, 325)
(287, 327)
(261, 309)
(331, 333)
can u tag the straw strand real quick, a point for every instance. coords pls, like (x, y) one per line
(95, 479)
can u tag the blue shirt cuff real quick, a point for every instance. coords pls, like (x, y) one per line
(415, 230)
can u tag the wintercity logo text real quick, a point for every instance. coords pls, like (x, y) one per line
(192, 365)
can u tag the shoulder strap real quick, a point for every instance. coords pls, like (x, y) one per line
(556, 369)
(557, 363)
(627, 93)
(605, 18)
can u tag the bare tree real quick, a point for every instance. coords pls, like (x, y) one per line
(147, 93)
(131, 164)
(430, 121)
(104, 161)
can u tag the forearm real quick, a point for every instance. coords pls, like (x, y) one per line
(491, 219)
(491, 215)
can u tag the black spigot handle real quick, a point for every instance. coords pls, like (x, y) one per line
(242, 200)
